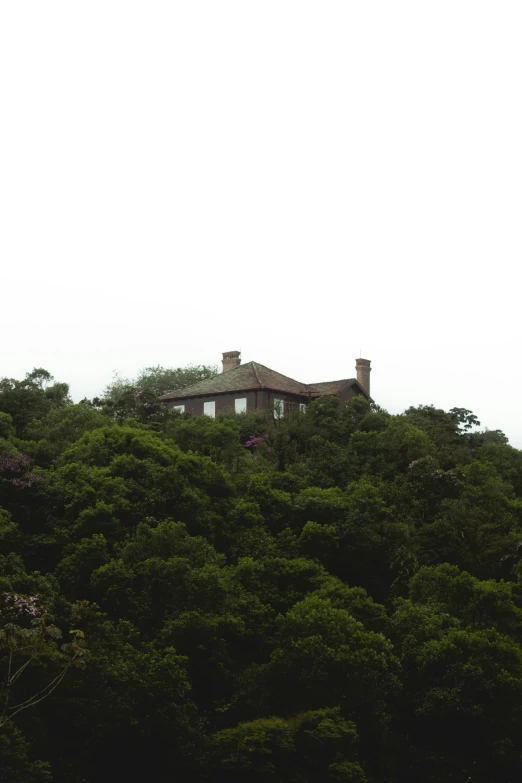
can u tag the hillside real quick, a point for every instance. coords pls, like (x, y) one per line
(332, 597)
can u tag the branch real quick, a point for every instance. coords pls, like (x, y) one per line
(38, 697)
(19, 671)
(8, 681)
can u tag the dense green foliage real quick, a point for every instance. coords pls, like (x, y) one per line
(158, 380)
(332, 597)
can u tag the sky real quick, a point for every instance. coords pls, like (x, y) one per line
(306, 182)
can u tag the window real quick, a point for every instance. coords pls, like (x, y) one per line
(302, 407)
(240, 405)
(279, 408)
(180, 408)
(209, 409)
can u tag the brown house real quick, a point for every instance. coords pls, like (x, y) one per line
(252, 386)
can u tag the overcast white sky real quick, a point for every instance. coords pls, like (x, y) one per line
(299, 180)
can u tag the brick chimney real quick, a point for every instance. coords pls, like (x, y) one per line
(363, 373)
(231, 360)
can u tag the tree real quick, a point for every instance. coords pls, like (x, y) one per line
(324, 656)
(159, 380)
(336, 595)
(25, 639)
(60, 428)
(311, 747)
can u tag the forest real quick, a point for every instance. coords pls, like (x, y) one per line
(331, 597)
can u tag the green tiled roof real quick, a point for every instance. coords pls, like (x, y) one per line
(252, 376)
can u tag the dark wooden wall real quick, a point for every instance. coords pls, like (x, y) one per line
(256, 400)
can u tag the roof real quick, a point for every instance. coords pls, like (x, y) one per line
(332, 387)
(247, 376)
(253, 376)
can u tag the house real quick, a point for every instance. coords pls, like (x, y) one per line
(252, 387)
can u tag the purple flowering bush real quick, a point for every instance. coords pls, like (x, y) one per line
(15, 605)
(258, 446)
(253, 442)
(16, 471)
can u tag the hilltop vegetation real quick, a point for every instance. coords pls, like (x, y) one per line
(332, 597)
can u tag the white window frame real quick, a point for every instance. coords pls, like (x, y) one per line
(302, 407)
(180, 408)
(209, 409)
(242, 407)
(279, 408)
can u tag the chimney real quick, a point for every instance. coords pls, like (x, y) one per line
(231, 360)
(363, 373)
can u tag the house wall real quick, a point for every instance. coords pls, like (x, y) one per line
(256, 400)
(292, 401)
(347, 394)
(224, 402)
